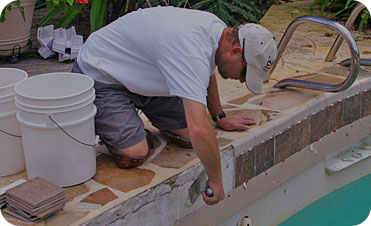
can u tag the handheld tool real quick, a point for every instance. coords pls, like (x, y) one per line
(196, 188)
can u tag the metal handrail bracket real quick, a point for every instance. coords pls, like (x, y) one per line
(345, 34)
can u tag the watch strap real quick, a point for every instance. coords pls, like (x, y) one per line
(218, 117)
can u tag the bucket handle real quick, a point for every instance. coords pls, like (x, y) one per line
(10, 134)
(96, 141)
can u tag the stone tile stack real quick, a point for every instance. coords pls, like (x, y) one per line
(4, 189)
(34, 200)
(2, 200)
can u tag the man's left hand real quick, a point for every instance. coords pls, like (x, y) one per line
(237, 122)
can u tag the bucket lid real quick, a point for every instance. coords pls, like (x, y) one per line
(54, 86)
(9, 77)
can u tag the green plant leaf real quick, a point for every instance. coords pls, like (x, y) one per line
(98, 15)
(201, 4)
(364, 20)
(70, 2)
(316, 3)
(182, 3)
(227, 18)
(8, 8)
(325, 4)
(4, 12)
(70, 14)
(49, 4)
(249, 6)
(21, 9)
(50, 15)
(348, 3)
(239, 11)
(343, 10)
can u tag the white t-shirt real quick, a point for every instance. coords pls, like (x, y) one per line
(160, 51)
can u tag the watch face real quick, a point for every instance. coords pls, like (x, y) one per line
(222, 115)
(218, 117)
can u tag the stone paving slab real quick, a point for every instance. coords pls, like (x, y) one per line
(36, 66)
(303, 56)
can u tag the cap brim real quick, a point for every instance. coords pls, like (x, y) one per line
(254, 81)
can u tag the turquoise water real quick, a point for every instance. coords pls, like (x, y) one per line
(347, 206)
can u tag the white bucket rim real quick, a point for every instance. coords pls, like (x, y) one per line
(16, 88)
(7, 96)
(63, 125)
(36, 111)
(8, 114)
(92, 95)
(13, 84)
(7, 99)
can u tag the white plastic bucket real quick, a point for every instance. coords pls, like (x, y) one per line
(61, 153)
(54, 90)
(41, 118)
(54, 156)
(47, 105)
(62, 115)
(11, 148)
(7, 104)
(9, 77)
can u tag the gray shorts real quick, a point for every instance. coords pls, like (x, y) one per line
(117, 121)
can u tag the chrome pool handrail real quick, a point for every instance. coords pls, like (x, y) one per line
(344, 32)
(339, 39)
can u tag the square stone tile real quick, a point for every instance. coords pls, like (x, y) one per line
(334, 116)
(352, 109)
(124, 180)
(244, 167)
(366, 103)
(264, 156)
(35, 192)
(101, 197)
(317, 125)
(283, 146)
(300, 135)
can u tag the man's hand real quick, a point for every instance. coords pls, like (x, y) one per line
(205, 145)
(218, 192)
(237, 122)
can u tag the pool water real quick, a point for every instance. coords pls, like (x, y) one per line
(347, 206)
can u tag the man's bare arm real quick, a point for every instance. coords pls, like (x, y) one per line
(213, 101)
(205, 145)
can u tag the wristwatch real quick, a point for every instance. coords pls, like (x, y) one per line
(218, 117)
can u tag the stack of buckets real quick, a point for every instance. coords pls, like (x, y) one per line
(56, 115)
(11, 149)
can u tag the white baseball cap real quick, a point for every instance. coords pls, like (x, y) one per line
(260, 54)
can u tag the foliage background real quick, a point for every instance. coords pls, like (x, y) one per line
(341, 9)
(97, 13)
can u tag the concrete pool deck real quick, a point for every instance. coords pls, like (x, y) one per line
(289, 121)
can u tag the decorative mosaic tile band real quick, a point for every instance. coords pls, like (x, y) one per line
(325, 116)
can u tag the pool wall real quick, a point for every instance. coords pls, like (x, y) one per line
(297, 193)
(287, 187)
(262, 160)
